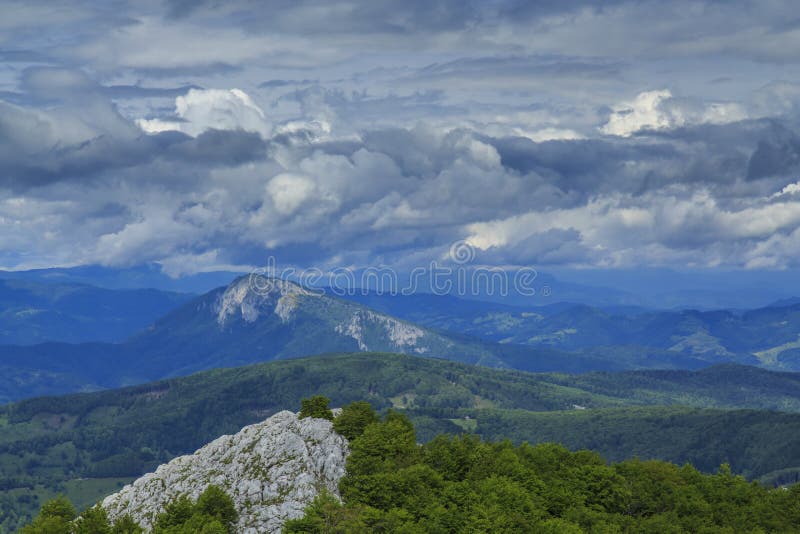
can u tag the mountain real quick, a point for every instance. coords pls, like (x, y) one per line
(33, 312)
(768, 336)
(257, 319)
(242, 323)
(87, 445)
(272, 470)
(653, 288)
(783, 303)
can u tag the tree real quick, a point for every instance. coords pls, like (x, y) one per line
(325, 514)
(462, 484)
(354, 418)
(175, 514)
(93, 520)
(214, 502)
(60, 507)
(126, 525)
(213, 513)
(317, 407)
(55, 517)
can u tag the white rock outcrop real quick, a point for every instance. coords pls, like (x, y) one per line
(272, 470)
(402, 335)
(254, 296)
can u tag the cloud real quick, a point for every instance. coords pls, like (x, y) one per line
(141, 44)
(399, 192)
(222, 187)
(541, 131)
(211, 109)
(659, 110)
(289, 191)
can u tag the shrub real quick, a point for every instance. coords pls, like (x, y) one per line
(317, 407)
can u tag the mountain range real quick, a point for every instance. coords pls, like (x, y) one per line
(652, 288)
(34, 312)
(243, 323)
(768, 336)
(688, 379)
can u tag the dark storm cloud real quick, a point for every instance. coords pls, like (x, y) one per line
(37, 149)
(778, 153)
(65, 84)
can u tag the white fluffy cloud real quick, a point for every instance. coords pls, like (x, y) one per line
(674, 225)
(289, 191)
(659, 110)
(203, 109)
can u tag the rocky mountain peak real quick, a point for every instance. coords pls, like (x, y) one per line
(271, 470)
(255, 295)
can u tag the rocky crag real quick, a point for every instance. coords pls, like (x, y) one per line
(272, 470)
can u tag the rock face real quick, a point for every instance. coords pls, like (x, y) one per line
(253, 296)
(256, 296)
(272, 470)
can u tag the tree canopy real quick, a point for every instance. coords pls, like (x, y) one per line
(463, 484)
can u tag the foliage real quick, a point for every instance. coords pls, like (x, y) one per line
(462, 484)
(92, 521)
(126, 525)
(326, 514)
(214, 502)
(354, 418)
(213, 513)
(316, 406)
(89, 445)
(55, 517)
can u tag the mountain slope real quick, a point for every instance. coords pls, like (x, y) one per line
(272, 470)
(34, 312)
(245, 323)
(767, 336)
(258, 319)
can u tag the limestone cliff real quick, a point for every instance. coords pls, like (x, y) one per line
(272, 470)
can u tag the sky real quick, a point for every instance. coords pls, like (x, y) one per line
(206, 135)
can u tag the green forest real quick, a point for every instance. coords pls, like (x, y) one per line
(212, 513)
(89, 445)
(454, 484)
(464, 484)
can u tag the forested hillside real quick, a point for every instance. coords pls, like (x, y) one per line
(386, 481)
(86, 444)
(466, 485)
